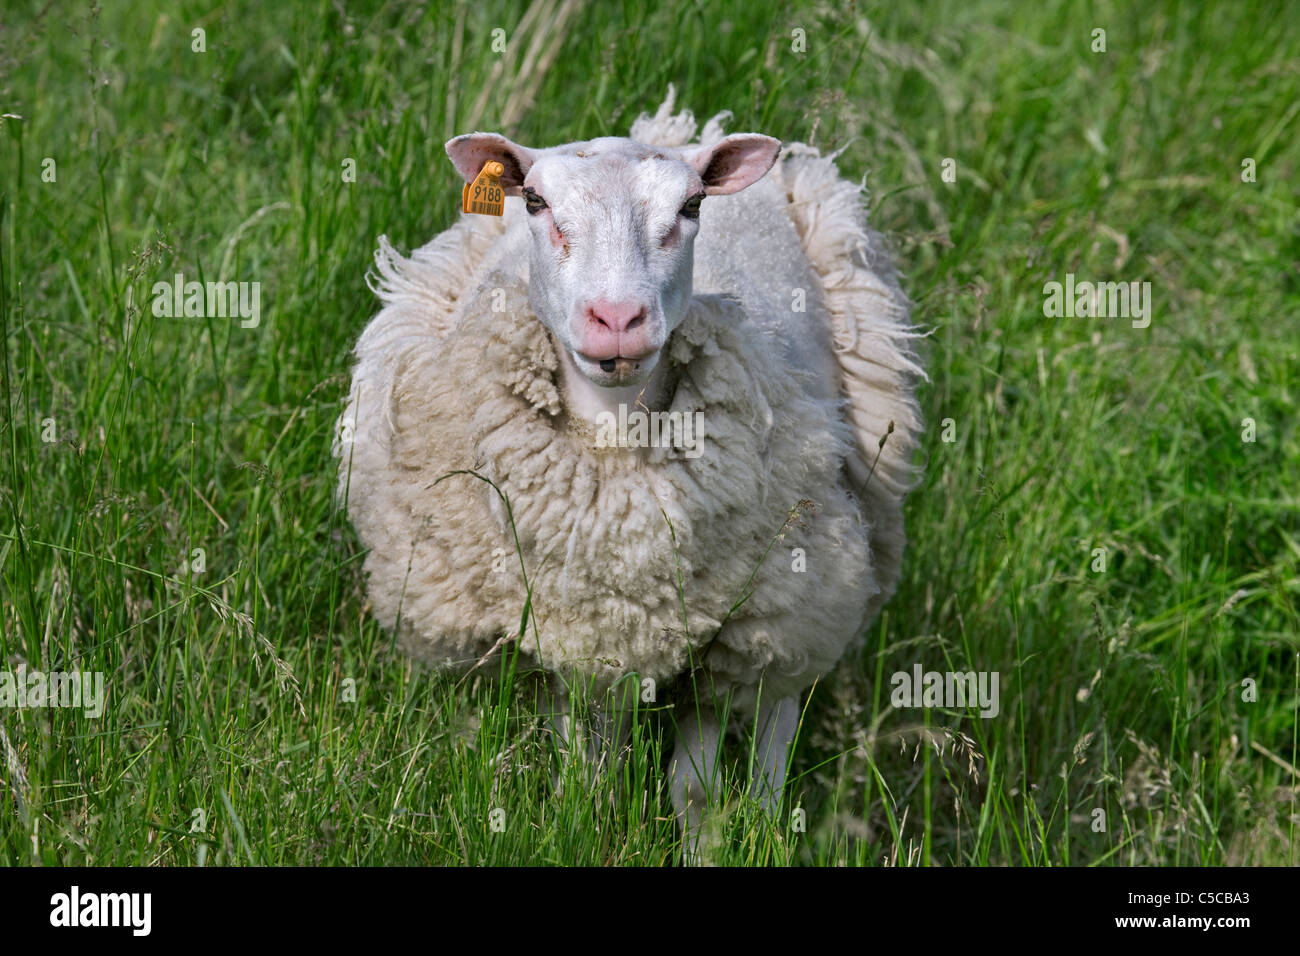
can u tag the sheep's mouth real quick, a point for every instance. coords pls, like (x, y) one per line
(619, 370)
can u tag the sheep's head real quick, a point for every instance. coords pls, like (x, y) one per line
(613, 227)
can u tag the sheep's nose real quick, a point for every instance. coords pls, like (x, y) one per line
(617, 317)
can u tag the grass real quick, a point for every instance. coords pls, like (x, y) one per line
(256, 714)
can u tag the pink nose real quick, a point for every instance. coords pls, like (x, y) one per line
(618, 317)
(614, 329)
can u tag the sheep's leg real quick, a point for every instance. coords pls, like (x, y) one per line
(605, 732)
(559, 716)
(777, 720)
(596, 736)
(692, 771)
(566, 730)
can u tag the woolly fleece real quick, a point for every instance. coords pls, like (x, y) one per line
(635, 558)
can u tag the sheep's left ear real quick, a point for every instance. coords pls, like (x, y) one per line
(734, 162)
(471, 151)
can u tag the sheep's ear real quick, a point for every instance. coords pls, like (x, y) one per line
(734, 162)
(471, 151)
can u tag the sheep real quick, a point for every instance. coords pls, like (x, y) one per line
(729, 283)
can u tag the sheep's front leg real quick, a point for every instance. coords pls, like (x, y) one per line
(777, 720)
(695, 756)
(596, 737)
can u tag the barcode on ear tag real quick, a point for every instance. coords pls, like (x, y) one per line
(485, 194)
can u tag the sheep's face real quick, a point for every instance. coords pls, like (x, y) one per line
(613, 226)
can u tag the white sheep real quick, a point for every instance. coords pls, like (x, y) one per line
(732, 284)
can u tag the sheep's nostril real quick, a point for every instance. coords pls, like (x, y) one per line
(616, 317)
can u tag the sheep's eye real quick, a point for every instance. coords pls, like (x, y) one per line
(691, 208)
(533, 202)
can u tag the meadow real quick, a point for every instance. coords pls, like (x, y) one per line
(1109, 516)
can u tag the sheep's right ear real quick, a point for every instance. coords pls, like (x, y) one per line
(471, 151)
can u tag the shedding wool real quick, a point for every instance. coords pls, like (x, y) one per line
(763, 555)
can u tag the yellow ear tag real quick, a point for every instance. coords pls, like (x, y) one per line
(485, 195)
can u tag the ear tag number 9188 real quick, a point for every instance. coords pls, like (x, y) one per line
(485, 195)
